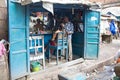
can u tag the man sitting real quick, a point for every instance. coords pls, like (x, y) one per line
(54, 38)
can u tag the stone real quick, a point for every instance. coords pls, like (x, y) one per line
(117, 69)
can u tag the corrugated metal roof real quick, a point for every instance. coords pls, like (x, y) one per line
(114, 10)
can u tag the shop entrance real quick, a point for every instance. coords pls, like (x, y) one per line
(85, 39)
(50, 23)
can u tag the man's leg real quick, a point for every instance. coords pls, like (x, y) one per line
(116, 36)
(54, 36)
(70, 49)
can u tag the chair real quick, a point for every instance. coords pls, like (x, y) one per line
(62, 44)
(36, 47)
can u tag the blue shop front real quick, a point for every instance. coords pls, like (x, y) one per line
(22, 15)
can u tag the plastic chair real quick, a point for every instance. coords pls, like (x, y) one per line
(62, 45)
(36, 47)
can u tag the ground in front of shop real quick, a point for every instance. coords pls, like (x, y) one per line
(106, 57)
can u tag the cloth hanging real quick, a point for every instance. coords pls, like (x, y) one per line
(112, 27)
(2, 49)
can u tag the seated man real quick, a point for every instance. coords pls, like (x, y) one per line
(53, 41)
(60, 29)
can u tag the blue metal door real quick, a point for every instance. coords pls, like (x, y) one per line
(18, 33)
(92, 21)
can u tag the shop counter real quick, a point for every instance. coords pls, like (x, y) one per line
(47, 37)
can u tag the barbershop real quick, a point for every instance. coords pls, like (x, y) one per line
(48, 33)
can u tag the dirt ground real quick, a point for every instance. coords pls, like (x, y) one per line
(107, 71)
(89, 67)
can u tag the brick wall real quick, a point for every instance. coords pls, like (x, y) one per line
(3, 20)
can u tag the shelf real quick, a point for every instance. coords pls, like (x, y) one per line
(36, 57)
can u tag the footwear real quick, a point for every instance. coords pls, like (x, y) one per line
(69, 59)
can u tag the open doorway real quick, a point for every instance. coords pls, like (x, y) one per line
(50, 24)
(76, 17)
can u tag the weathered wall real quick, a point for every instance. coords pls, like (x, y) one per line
(3, 20)
(3, 35)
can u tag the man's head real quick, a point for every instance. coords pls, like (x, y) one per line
(61, 27)
(66, 19)
(38, 21)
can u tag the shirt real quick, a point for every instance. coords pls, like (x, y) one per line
(69, 29)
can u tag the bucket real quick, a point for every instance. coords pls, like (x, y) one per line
(35, 66)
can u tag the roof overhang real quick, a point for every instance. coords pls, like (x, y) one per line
(86, 2)
(48, 4)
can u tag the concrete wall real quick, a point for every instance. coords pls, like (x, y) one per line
(3, 20)
(3, 35)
